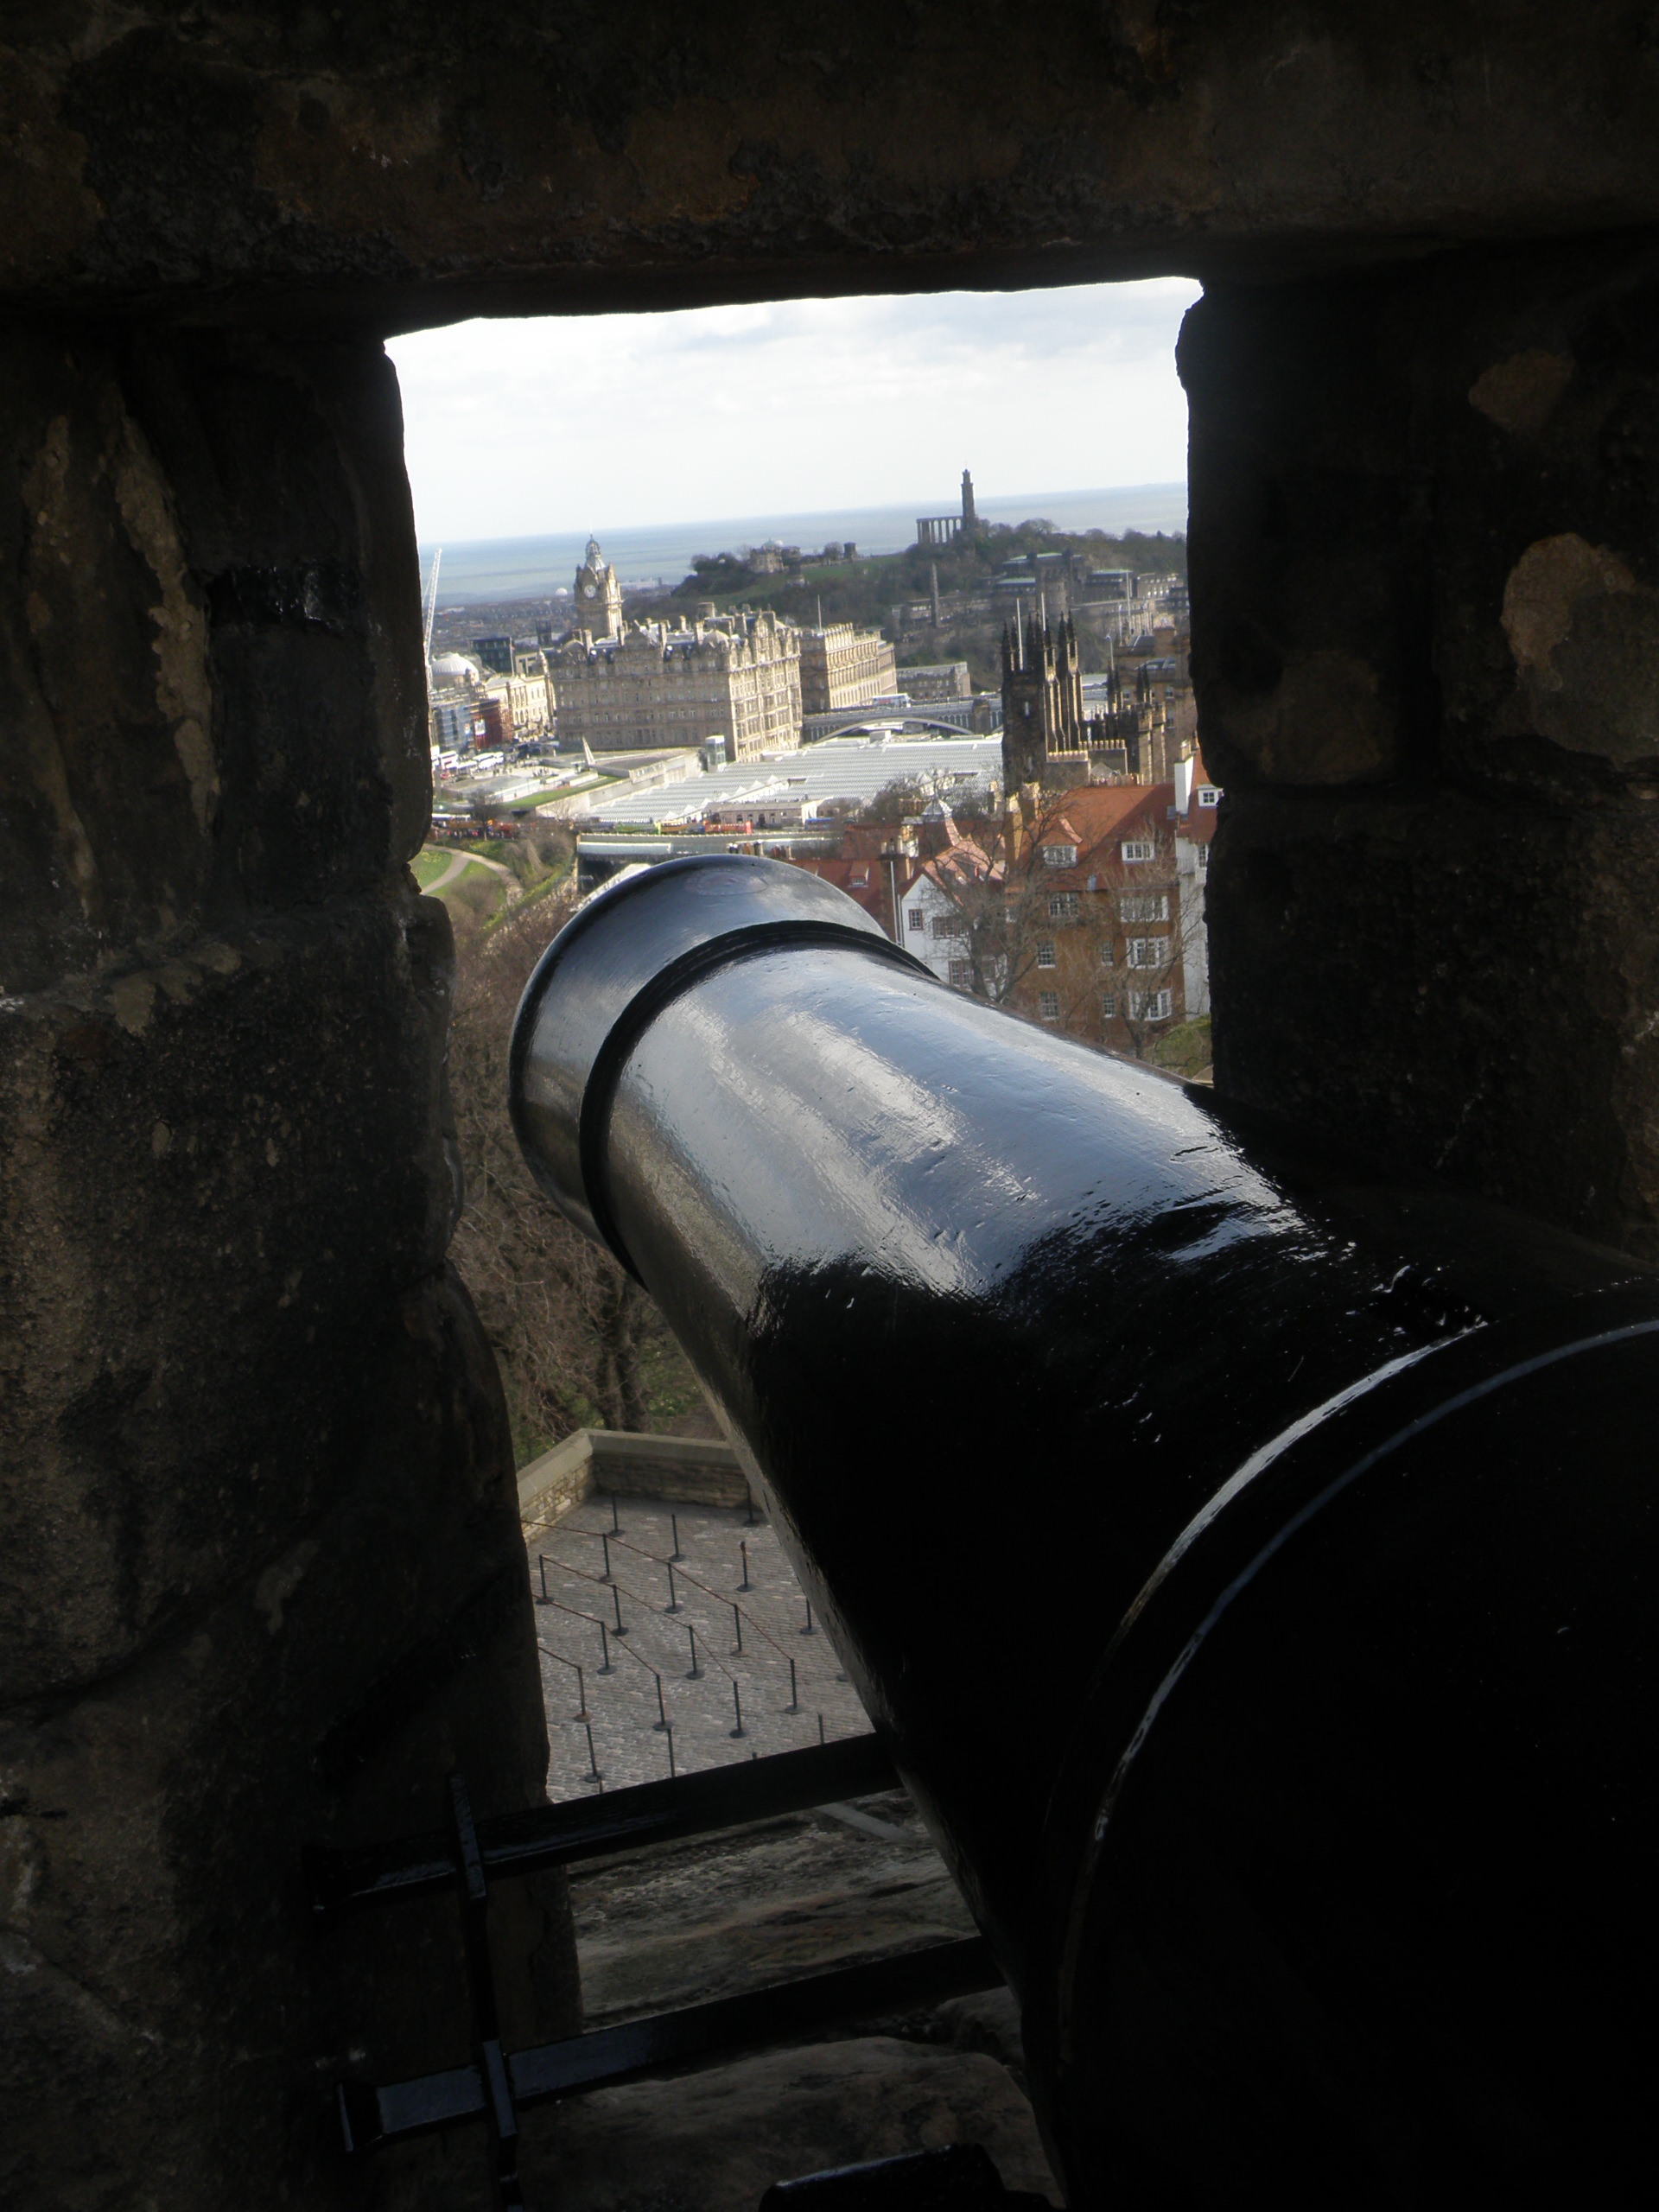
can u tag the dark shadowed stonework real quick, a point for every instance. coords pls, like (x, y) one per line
(262, 1578)
(1426, 605)
(241, 159)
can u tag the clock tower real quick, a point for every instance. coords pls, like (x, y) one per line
(599, 595)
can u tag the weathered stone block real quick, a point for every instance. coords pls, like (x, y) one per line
(1425, 501)
(307, 161)
(714, 2141)
(692, 1470)
(1452, 987)
(263, 1582)
(1425, 584)
(210, 672)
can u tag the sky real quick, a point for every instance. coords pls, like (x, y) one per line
(517, 427)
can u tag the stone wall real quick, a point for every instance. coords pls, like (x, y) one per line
(258, 161)
(1426, 647)
(263, 1581)
(683, 1470)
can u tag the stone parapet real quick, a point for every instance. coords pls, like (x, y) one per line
(686, 1470)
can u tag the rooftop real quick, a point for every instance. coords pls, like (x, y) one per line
(855, 767)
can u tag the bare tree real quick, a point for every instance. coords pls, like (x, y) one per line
(996, 917)
(1143, 959)
(1099, 945)
(1010, 909)
(905, 796)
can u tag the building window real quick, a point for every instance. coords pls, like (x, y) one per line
(1063, 906)
(917, 919)
(1204, 858)
(1208, 795)
(946, 926)
(1138, 848)
(1060, 857)
(1046, 957)
(1108, 1007)
(961, 975)
(1151, 1005)
(1144, 906)
(1048, 1005)
(1147, 951)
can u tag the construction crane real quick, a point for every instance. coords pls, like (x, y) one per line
(429, 612)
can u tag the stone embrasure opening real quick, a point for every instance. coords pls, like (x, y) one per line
(265, 1578)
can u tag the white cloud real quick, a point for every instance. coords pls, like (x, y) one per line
(515, 428)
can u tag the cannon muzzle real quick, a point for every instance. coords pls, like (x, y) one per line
(1250, 1566)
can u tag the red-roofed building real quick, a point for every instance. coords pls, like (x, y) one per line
(1097, 930)
(1197, 803)
(875, 866)
(1089, 914)
(863, 880)
(953, 881)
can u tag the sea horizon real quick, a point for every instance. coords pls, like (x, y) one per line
(501, 569)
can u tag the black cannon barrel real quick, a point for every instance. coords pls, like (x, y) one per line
(1250, 1565)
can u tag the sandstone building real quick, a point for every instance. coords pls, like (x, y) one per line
(522, 704)
(936, 681)
(735, 676)
(598, 595)
(841, 666)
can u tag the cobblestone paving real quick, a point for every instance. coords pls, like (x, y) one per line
(607, 1559)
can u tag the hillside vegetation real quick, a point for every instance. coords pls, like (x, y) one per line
(865, 591)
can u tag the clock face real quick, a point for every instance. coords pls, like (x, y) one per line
(590, 591)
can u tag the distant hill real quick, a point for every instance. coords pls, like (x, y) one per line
(866, 590)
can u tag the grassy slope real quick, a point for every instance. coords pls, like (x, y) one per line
(1184, 1049)
(429, 865)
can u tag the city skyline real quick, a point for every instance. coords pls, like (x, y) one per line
(518, 427)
